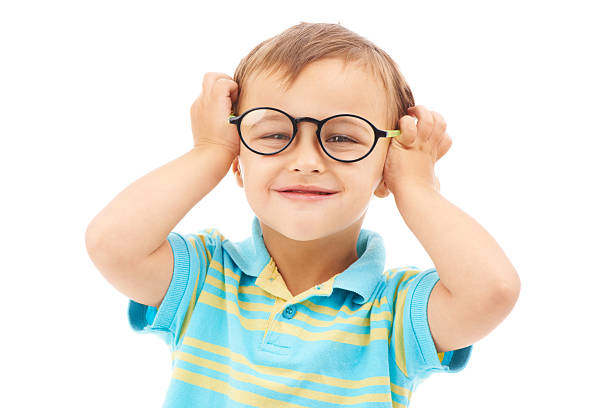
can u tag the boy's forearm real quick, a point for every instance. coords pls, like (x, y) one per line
(468, 260)
(138, 220)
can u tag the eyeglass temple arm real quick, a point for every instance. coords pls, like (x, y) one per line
(392, 133)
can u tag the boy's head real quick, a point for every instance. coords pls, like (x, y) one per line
(317, 70)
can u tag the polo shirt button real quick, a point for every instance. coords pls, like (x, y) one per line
(289, 312)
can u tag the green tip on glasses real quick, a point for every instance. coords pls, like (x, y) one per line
(392, 133)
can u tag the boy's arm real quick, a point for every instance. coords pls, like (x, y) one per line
(127, 240)
(478, 285)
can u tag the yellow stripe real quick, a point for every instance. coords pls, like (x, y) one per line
(391, 272)
(192, 301)
(214, 233)
(206, 258)
(401, 391)
(260, 307)
(400, 348)
(238, 358)
(342, 336)
(287, 373)
(241, 396)
(400, 354)
(398, 405)
(206, 381)
(376, 303)
(399, 351)
(244, 397)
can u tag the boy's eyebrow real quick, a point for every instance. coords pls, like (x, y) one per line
(266, 120)
(281, 118)
(353, 121)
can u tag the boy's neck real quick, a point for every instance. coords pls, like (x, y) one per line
(304, 264)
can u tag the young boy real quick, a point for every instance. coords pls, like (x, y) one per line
(303, 313)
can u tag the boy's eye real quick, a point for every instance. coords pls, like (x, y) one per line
(341, 138)
(335, 138)
(274, 136)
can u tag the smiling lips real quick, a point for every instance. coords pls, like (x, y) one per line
(308, 193)
(305, 192)
(302, 189)
(308, 196)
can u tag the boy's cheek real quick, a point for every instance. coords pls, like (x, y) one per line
(383, 156)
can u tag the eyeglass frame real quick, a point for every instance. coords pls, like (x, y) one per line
(378, 133)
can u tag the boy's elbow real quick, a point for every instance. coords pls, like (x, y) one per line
(92, 239)
(95, 243)
(508, 290)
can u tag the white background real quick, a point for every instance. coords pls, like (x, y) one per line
(94, 95)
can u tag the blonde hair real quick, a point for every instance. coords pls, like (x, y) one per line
(291, 50)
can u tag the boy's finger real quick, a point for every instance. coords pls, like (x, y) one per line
(221, 94)
(224, 87)
(408, 130)
(426, 121)
(233, 89)
(209, 80)
(440, 122)
(444, 146)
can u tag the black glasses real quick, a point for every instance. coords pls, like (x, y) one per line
(344, 137)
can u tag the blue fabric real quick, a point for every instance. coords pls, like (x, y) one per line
(239, 338)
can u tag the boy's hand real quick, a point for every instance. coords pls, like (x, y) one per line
(209, 113)
(411, 156)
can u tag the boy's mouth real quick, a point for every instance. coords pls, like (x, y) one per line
(306, 192)
(308, 196)
(301, 189)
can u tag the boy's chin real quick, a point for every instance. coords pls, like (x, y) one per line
(298, 233)
(302, 230)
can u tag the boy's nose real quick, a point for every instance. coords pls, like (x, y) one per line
(306, 134)
(305, 151)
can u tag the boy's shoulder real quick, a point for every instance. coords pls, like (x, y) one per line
(211, 232)
(401, 273)
(405, 279)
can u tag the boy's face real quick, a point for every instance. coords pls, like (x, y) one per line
(324, 88)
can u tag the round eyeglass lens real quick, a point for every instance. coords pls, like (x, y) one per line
(266, 130)
(347, 137)
(343, 137)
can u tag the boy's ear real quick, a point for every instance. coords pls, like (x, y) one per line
(381, 190)
(236, 170)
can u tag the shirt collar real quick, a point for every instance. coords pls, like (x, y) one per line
(361, 277)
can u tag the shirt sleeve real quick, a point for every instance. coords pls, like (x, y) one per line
(192, 256)
(411, 342)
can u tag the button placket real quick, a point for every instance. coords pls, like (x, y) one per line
(272, 318)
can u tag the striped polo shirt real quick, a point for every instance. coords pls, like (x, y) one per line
(238, 338)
